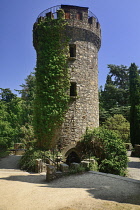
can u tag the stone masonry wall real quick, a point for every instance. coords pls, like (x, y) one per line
(84, 108)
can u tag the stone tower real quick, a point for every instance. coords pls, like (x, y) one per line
(84, 32)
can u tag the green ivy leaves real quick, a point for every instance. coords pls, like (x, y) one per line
(52, 80)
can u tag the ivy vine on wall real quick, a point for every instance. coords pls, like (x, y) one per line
(52, 79)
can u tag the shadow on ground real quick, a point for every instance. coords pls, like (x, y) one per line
(29, 178)
(134, 164)
(98, 186)
(10, 162)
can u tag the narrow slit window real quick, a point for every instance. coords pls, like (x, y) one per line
(73, 89)
(72, 50)
(79, 16)
(67, 15)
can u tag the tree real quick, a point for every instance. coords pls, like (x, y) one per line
(135, 104)
(27, 100)
(16, 114)
(120, 125)
(6, 95)
(10, 117)
(114, 99)
(27, 96)
(6, 131)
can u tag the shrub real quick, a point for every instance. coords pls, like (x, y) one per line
(120, 125)
(77, 170)
(93, 166)
(4, 153)
(27, 162)
(109, 150)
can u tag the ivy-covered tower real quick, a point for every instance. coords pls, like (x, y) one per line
(84, 34)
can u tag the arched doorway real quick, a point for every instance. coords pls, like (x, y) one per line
(72, 157)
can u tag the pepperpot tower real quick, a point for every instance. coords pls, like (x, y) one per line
(84, 33)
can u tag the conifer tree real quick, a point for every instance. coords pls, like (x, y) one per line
(134, 79)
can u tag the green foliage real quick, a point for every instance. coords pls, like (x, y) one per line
(11, 118)
(27, 96)
(6, 95)
(60, 14)
(4, 153)
(135, 104)
(16, 114)
(27, 135)
(6, 131)
(28, 160)
(52, 80)
(93, 166)
(6, 134)
(109, 150)
(114, 99)
(77, 170)
(120, 125)
(86, 145)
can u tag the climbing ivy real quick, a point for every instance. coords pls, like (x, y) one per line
(52, 79)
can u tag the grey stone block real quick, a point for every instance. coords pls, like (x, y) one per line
(38, 165)
(64, 167)
(51, 169)
(74, 165)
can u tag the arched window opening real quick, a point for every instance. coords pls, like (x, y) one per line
(72, 158)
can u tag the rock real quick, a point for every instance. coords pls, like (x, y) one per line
(51, 169)
(85, 164)
(38, 166)
(74, 165)
(64, 167)
(44, 167)
(51, 173)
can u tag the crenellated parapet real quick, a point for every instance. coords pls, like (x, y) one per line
(84, 22)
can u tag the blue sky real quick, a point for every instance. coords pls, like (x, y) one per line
(120, 23)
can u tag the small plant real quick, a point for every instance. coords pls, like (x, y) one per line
(60, 14)
(76, 170)
(93, 166)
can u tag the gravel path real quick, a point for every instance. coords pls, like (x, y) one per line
(21, 190)
(134, 168)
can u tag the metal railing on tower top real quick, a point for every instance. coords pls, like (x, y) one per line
(54, 9)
